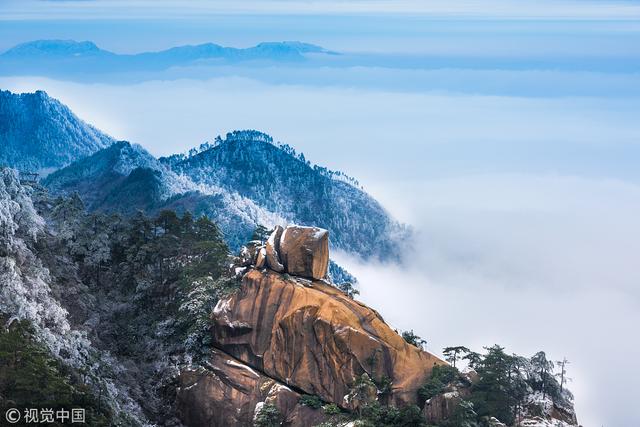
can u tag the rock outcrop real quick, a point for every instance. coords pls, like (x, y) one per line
(287, 332)
(442, 406)
(230, 393)
(296, 250)
(311, 336)
(273, 250)
(304, 251)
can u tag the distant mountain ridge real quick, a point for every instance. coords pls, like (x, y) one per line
(70, 56)
(38, 132)
(54, 48)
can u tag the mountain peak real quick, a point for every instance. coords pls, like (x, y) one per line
(248, 135)
(70, 57)
(56, 136)
(54, 48)
(275, 176)
(297, 46)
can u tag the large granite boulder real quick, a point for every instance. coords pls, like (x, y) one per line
(304, 251)
(299, 251)
(314, 338)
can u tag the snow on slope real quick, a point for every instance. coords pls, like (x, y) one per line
(26, 292)
(282, 181)
(241, 182)
(38, 132)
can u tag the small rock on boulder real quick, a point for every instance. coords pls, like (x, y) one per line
(261, 258)
(304, 251)
(273, 250)
(248, 253)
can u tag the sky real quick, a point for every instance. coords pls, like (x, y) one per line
(504, 132)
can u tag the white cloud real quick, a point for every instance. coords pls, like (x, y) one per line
(380, 135)
(528, 262)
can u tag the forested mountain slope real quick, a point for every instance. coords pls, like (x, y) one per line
(125, 178)
(243, 181)
(274, 176)
(38, 132)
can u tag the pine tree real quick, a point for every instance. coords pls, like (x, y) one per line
(349, 289)
(261, 233)
(413, 339)
(563, 372)
(492, 393)
(453, 354)
(544, 369)
(473, 359)
(268, 416)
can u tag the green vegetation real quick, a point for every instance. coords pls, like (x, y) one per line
(463, 416)
(174, 263)
(331, 409)
(349, 289)
(413, 339)
(268, 416)
(453, 354)
(261, 233)
(312, 401)
(498, 392)
(31, 378)
(441, 375)
(154, 280)
(385, 386)
(376, 415)
(503, 385)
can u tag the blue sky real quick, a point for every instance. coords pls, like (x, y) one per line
(505, 132)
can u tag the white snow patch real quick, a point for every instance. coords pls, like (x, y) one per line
(241, 366)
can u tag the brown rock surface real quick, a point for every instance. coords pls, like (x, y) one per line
(313, 337)
(442, 406)
(304, 251)
(273, 250)
(261, 258)
(227, 393)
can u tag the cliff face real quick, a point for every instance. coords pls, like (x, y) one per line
(312, 336)
(279, 336)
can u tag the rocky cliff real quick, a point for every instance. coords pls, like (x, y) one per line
(280, 336)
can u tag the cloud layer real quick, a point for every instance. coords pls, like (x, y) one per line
(526, 261)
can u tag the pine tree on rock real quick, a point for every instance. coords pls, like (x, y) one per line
(453, 354)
